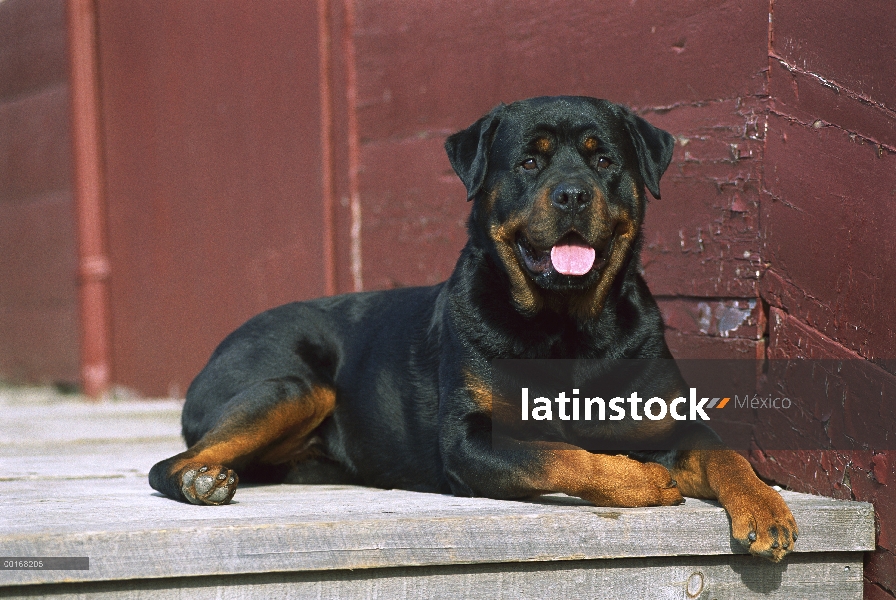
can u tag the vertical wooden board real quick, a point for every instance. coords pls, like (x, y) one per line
(213, 161)
(828, 229)
(32, 46)
(848, 43)
(828, 224)
(414, 211)
(433, 66)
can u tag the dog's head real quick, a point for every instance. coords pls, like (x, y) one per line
(557, 186)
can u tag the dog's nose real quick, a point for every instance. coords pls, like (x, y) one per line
(571, 197)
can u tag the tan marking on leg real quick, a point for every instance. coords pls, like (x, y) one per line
(480, 391)
(760, 519)
(603, 479)
(270, 438)
(691, 477)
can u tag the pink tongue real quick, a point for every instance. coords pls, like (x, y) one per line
(572, 260)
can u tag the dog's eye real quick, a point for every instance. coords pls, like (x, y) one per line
(530, 164)
(604, 163)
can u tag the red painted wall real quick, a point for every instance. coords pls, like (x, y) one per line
(213, 176)
(38, 293)
(262, 156)
(697, 70)
(253, 155)
(828, 226)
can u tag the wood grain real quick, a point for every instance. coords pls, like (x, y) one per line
(805, 576)
(76, 486)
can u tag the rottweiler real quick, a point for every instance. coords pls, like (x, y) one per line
(393, 388)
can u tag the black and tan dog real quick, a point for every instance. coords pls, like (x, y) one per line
(393, 389)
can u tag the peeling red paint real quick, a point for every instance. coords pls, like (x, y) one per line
(829, 238)
(802, 97)
(780, 192)
(734, 318)
(847, 43)
(880, 468)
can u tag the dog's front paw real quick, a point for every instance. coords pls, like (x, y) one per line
(210, 485)
(762, 523)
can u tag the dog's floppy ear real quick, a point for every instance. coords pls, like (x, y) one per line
(654, 147)
(468, 151)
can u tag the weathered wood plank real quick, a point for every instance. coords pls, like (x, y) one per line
(37, 416)
(73, 483)
(129, 532)
(85, 459)
(802, 576)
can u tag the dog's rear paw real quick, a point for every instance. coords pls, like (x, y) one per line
(763, 524)
(208, 484)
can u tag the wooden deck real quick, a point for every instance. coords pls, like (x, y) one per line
(73, 483)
